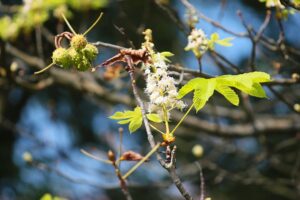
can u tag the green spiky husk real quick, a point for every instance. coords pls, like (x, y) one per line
(78, 42)
(90, 51)
(80, 61)
(61, 57)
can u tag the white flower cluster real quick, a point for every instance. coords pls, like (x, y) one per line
(197, 42)
(161, 87)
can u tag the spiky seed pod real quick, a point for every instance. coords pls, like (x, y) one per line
(78, 42)
(84, 65)
(90, 51)
(75, 56)
(79, 59)
(61, 57)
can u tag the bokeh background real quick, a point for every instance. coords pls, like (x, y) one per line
(51, 117)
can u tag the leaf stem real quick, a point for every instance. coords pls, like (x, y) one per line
(152, 126)
(184, 116)
(166, 120)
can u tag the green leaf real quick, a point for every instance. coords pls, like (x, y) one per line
(225, 42)
(154, 118)
(46, 197)
(257, 91)
(228, 93)
(133, 118)
(135, 124)
(203, 92)
(214, 37)
(189, 86)
(166, 54)
(259, 77)
(125, 121)
(248, 83)
(118, 115)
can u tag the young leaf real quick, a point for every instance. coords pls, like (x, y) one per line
(166, 54)
(228, 93)
(154, 118)
(135, 124)
(225, 42)
(190, 86)
(257, 91)
(133, 118)
(203, 92)
(214, 37)
(248, 83)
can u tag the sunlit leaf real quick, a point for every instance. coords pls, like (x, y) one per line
(225, 42)
(203, 92)
(154, 118)
(228, 93)
(189, 87)
(248, 83)
(135, 124)
(133, 118)
(166, 54)
(214, 37)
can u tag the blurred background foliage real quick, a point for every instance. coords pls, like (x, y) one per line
(46, 121)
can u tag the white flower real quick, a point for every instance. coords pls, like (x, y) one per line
(197, 42)
(160, 87)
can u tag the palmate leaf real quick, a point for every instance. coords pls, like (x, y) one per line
(228, 93)
(203, 92)
(133, 118)
(190, 86)
(248, 83)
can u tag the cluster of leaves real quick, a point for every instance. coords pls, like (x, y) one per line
(34, 13)
(203, 88)
(134, 118)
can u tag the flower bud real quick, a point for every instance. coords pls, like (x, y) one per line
(62, 58)
(168, 138)
(78, 42)
(111, 156)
